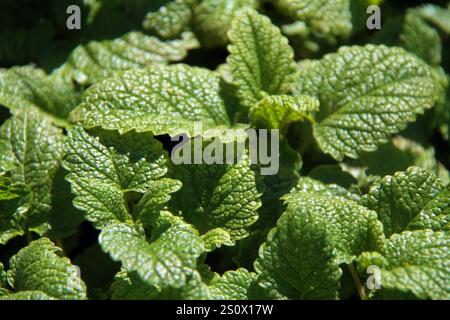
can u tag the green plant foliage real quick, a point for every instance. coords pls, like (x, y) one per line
(40, 270)
(126, 172)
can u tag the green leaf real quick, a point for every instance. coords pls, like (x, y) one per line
(403, 153)
(298, 260)
(98, 60)
(154, 200)
(15, 200)
(419, 263)
(2, 276)
(366, 94)
(277, 112)
(308, 185)
(277, 186)
(106, 168)
(410, 200)
(353, 228)
(167, 261)
(65, 218)
(30, 151)
(212, 19)
(161, 99)
(215, 238)
(441, 115)
(28, 87)
(42, 266)
(27, 295)
(418, 37)
(171, 19)
(438, 16)
(321, 16)
(128, 286)
(218, 196)
(233, 285)
(261, 60)
(7, 190)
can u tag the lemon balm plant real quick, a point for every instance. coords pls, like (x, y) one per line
(93, 205)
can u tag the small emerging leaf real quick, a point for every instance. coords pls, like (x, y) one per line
(277, 112)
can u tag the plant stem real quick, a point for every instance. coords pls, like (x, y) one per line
(359, 286)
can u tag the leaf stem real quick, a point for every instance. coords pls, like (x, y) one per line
(359, 286)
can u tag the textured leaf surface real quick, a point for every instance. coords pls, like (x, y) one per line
(30, 150)
(131, 287)
(277, 112)
(167, 261)
(308, 185)
(215, 238)
(421, 39)
(322, 16)
(352, 227)
(218, 196)
(298, 261)
(154, 200)
(366, 94)
(28, 87)
(98, 60)
(233, 285)
(27, 295)
(128, 286)
(213, 19)
(161, 99)
(105, 167)
(418, 262)
(2, 276)
(41, 266)
(170, 19)
(130, 123)
(7, 190)
(260, 58)
(276, 186)
(410, 200)
(15, 200)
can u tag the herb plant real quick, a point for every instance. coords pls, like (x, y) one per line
(93, 205)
